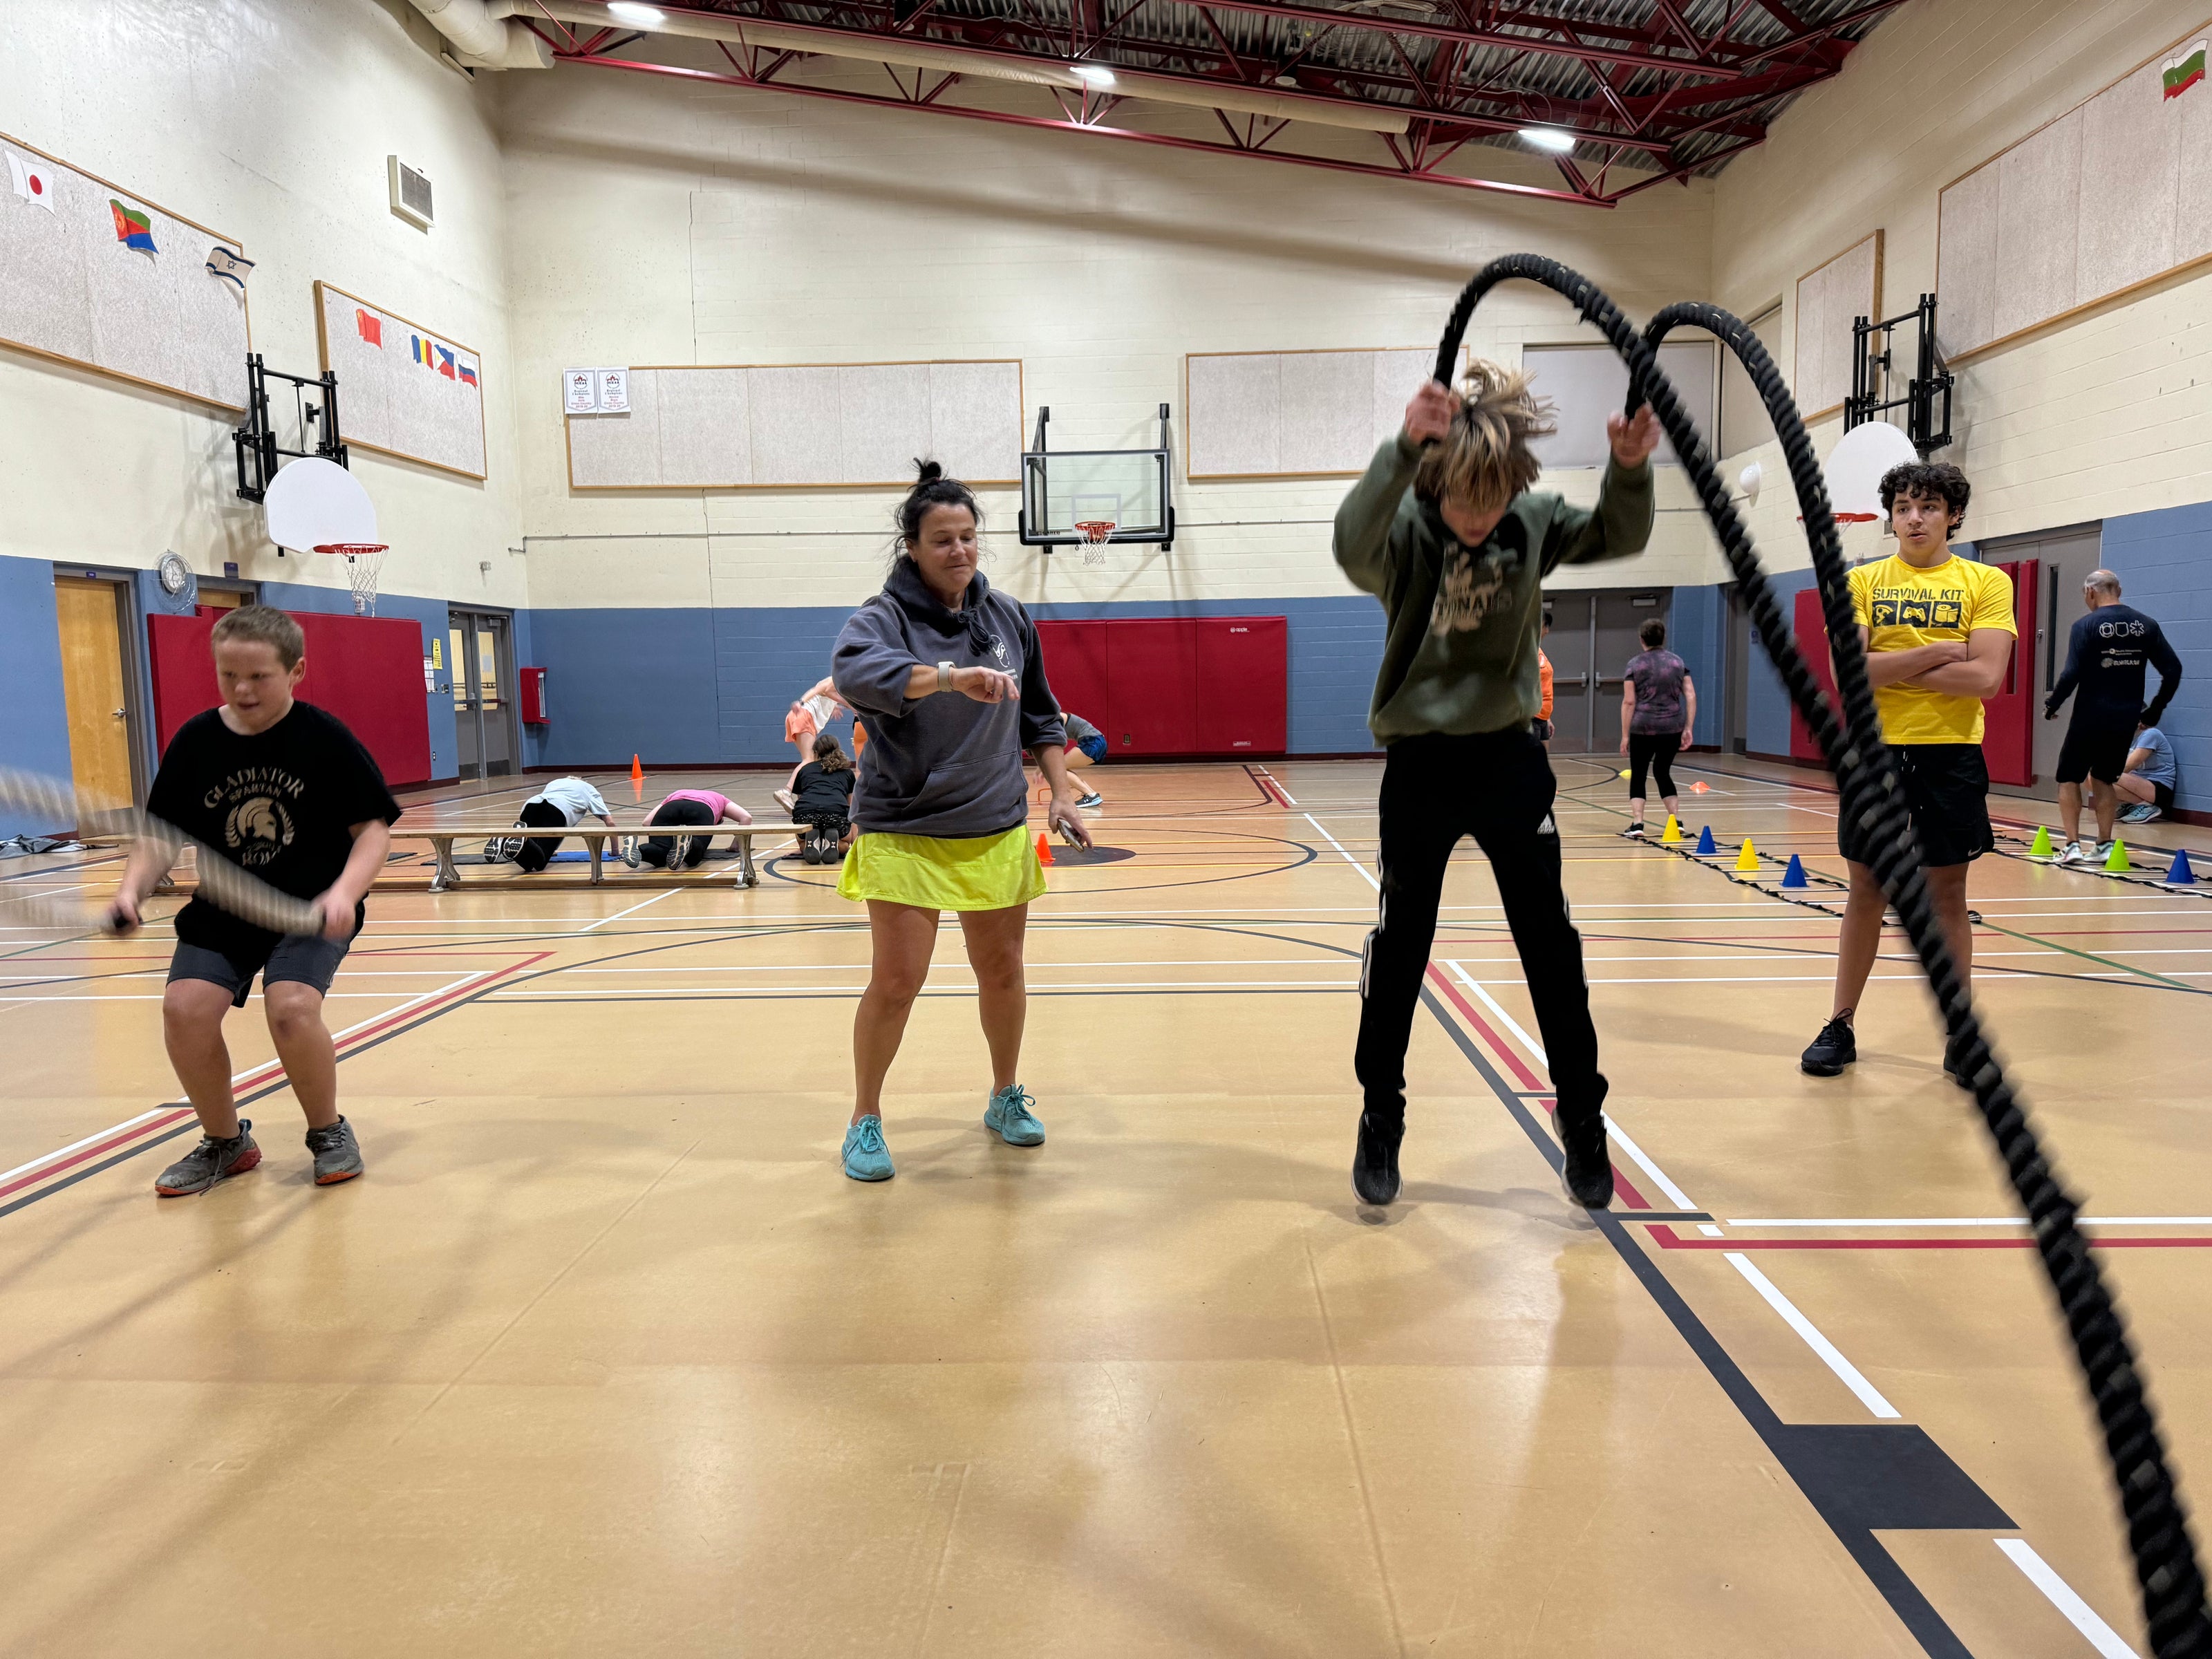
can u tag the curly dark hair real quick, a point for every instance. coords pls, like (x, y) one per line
(1929, 480)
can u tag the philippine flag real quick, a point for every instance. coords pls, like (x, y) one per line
(32, 181)
(371, 328)
(445, 362)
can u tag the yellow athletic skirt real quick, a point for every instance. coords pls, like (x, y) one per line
(978, 872)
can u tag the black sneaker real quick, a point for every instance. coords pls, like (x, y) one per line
(1833, 1049)
(1587, 1170)
(211, 1160)
(337, 1154)
(1094, 798)
(1634, 832)
(1374, 1162)
(826, 846)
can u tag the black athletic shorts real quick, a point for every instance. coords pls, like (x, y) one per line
(1947, 793)
(2095, 752)
(306, 959)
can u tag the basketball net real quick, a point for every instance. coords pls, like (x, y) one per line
(1095, 533)
(364, 563)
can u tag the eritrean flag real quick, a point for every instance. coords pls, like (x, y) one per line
(2185, 71)
(468, 376)
(445, 362)
(134, 230)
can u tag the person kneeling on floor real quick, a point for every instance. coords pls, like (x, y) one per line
(822, 802)
(686, 806)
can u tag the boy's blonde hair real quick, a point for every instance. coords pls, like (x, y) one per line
(262, 624)
(1484, 462)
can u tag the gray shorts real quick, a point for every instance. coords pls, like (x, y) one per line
(295, 959)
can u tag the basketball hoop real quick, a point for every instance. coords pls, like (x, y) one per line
(364, 561)
(1095, 533)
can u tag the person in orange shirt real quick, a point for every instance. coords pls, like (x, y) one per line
(1542, 723)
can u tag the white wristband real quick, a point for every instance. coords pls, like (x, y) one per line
(944, 677)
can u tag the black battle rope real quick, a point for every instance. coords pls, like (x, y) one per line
(2158, 1533)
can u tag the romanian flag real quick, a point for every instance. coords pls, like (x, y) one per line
(419, 349)
(445, 362)
(468, 376)
(2186, 71)
(371, 328)
(133, 229)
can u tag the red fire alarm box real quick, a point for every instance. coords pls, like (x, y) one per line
(533, 696)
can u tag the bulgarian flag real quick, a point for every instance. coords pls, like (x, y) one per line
(134, 230)
(2186, 71)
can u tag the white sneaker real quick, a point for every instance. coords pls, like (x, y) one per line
(2072, 853)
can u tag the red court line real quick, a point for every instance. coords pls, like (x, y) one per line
(1504, 1051)
(267, 1072)
(1670, 1240)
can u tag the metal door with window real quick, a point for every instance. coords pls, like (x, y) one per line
(482, 662)
(1593, 637)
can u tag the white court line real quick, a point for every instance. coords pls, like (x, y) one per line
(236, 1077)
(855, 989)
(2060, 1594)
(1819, 1344)
(1709, 1231)
(1288, 798)
(1967, 1221)
(1364, 873)
(1675, 1195)
(41, 891)
(633, 910)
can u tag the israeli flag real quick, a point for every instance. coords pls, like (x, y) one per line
(230, 265)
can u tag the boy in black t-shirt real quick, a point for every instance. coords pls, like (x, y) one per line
(283, 790)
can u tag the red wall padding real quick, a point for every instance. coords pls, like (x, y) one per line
(368, 670)
(1811, 631)
(1175, 686)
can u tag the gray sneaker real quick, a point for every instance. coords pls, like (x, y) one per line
(629, 845)
(211, 1160)
(337, 1154)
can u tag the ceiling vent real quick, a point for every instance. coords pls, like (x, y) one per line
(410, 192)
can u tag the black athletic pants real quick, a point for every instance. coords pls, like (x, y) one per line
(659, 851)
(1496, 787)
(537, 853)
(1655, 749)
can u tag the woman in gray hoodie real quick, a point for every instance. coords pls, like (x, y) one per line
(951, 679)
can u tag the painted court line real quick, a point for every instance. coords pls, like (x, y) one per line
(633, 910)
(1365, 874)
(1675, 1195)
(2060, 1594)
(1965, 1221)
(1830, 1355)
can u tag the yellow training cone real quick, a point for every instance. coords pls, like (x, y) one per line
(1747, 861)
(1671, 835)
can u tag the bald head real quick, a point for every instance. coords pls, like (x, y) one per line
(2100, 587)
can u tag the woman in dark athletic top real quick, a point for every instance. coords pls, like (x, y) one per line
(1658, 707)
(822, 800)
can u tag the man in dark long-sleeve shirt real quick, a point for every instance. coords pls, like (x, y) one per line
(2106, 659)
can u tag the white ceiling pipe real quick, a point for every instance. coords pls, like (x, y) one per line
(480, 40)
(1128, 83)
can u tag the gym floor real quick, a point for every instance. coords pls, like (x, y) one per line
(605, 1355)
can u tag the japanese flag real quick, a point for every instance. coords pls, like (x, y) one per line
(33, 182)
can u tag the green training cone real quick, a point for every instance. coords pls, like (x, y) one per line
(2117, 859)
(2040, 847)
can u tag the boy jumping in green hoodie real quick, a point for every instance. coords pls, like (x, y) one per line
(1458, 561)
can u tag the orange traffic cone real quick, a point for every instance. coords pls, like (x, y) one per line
(1044, 849)
(636, 771)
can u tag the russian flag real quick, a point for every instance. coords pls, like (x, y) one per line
(468, 376)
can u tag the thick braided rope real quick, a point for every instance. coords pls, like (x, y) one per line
(221, 883)
(2172, 1585)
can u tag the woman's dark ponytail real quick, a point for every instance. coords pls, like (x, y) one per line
(930, 488)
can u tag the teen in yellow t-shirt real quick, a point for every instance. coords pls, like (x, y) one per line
(1939, 631)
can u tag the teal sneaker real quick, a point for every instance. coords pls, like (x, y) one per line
(1008, 1116)
(867, 1158)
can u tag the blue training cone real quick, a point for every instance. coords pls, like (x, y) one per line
(1795, 875)
(2180, 875)
(1705, 847)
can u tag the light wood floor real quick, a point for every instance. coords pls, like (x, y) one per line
(605, 1356)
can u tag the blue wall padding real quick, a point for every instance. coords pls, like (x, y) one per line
(37, 726)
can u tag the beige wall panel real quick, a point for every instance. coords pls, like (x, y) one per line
(1328, 402)
(1967, 303)
(1235, 419)
(797, 426)
(883, 412)
(976, 420)
(620, 451)
(706, 427)
(2131, 186)
(2038, 195)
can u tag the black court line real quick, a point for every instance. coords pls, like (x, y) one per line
(1859, 1477)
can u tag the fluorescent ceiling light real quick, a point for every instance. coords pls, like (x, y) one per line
(1549, 138)
(1096, 73)
(630, 12)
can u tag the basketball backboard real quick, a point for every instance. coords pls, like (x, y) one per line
(1856, 466)
(313, 502)
(1064, 489)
